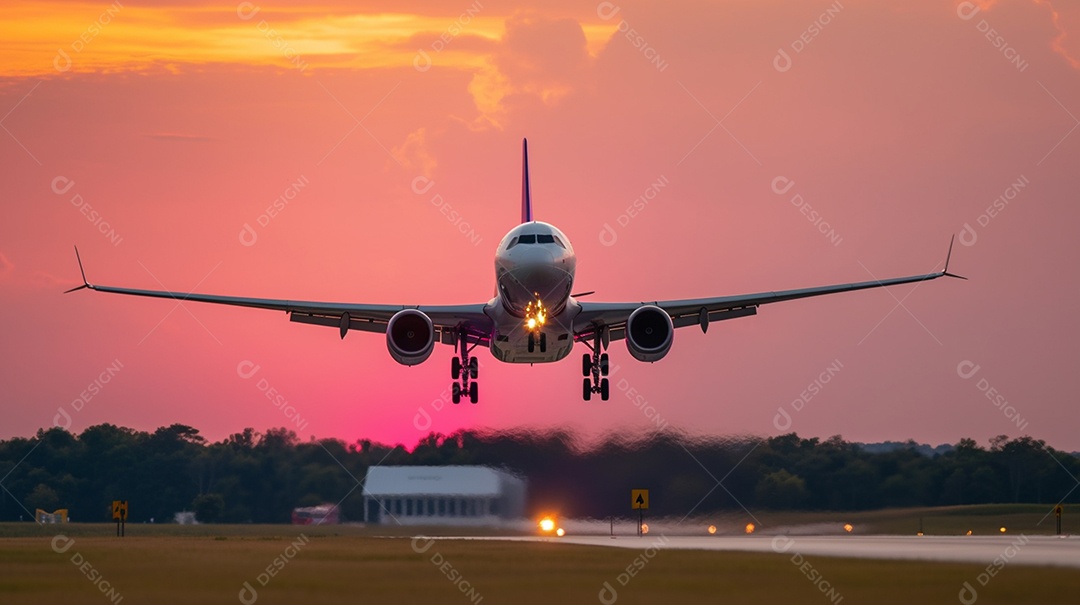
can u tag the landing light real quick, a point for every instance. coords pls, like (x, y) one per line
(535, 314)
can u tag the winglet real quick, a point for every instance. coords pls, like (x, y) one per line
(526, 195)
(948, 256)
(85, 284)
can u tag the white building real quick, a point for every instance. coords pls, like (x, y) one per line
(442, 495)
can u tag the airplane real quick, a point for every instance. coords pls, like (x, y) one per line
(533, 316)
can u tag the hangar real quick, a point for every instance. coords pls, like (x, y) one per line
(442, 495)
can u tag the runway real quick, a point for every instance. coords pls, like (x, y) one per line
(1015, 549)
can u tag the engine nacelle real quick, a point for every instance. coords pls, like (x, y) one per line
(410, 337)
(649, 333)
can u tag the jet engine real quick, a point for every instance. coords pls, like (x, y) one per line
(410, 337)
(649, 333)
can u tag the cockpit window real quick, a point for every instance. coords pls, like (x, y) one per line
(536, 238)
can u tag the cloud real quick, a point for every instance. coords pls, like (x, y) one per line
(538, 60)
(414, 152)
(1058, 44)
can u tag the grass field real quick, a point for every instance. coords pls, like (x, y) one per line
(173, 564)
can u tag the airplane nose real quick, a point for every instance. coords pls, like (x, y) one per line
(526, 283)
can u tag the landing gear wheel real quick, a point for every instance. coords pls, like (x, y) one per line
(455, 368)
(455, 395)
(472, 392)
(604, 365)
(474, 368)
(586, 365)
(543, 342)
(586, 389)
(604, 390)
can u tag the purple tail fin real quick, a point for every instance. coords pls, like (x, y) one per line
(526, 196)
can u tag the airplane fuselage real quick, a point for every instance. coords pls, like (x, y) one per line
(534, 274)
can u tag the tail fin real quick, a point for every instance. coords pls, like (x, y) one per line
(526, 196)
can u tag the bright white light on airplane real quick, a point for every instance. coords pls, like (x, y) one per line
(560, 532)
(547, 524)
(535, 314)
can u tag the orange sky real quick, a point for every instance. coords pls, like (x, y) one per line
(151, 136)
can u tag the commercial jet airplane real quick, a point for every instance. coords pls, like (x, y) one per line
(533, 317)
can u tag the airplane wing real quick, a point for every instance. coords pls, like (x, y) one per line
(701, 311)
(447, 319)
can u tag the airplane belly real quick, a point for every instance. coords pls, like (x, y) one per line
(510, 343)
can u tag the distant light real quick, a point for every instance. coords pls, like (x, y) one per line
(848, 527)
(1002, 529)
(712, 529)
(644, 528)
(560, 532)
(969, 532)
(547, 524)
(918, 533)
(750, 528)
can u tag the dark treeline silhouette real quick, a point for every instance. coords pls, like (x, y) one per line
(261, 477)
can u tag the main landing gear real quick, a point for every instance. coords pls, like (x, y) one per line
(593, 366)
(464, 369)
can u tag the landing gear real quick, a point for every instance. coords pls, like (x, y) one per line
(464, 370)
(533, 339)
(593, 366)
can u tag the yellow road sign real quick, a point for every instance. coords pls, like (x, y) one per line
(119, 510)
(639, 499)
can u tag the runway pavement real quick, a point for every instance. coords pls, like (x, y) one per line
(1014, 549)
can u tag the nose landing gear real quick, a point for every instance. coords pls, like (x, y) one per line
(533, 342)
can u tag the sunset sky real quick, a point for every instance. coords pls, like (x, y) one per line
(781, 145)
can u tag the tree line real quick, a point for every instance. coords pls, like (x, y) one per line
(260, 477)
